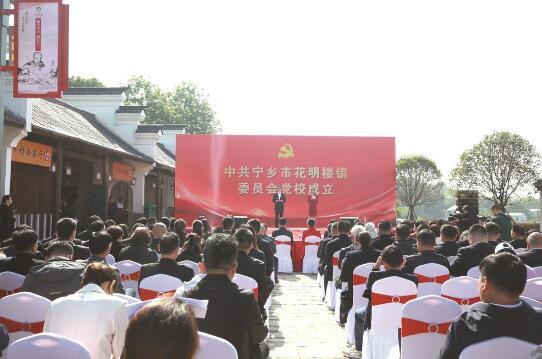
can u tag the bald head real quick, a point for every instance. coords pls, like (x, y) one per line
(534, 240)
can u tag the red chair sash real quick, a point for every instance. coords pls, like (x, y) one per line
(200, 266)
(377, 298)
(414, 327)
(146, 294)
(438, 279)
(359, 279)
(335, 261)
(463, 301)
(311, 243)
(4, 293)
(14, 326)
(131, 276)
(255, 291)
(288, 243)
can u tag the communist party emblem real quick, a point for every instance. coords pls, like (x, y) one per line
(286, 151)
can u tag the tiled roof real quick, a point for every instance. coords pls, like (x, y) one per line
(149, 128)
(59, 118)
(164, 157)
(13, 119)
(174, 127)
(131, 109)
(95, 91)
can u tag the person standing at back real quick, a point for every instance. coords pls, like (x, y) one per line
(503, 220)
(279, 199)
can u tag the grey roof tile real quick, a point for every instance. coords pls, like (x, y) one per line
(164, 157)
(131, 109)
(95, 91)
(151, 128)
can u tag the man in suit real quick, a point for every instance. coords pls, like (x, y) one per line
(264, 246)
(85, 235)
(283, 230)
(519, 235)
(384, 238)
(25, 243)
(252, 267)
(321, 254)
(335, 245)
(493, 233)
(501, 312)
(425, 243)
(533, 255)
(169, 249)
(232, 313)
(402, 232)
(138, 249)
(471, 256)
(66, 229)
(449, 246)
(503, 220)
(279, 199)
(392, 260)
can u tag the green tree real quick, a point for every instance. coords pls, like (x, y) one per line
(143, 92)
(78, 81)
(418, 182)
(498, 167)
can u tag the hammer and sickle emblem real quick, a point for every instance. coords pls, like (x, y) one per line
(286, 151)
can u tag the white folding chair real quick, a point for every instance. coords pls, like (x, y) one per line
(47, 346)
(462, 290)
(158, 286)
(388, 297)
(110, 259)
(310, 259)
(245, 282)
(282, 239)
(531, 273)
(533, 303)
(451, 259)
(538, 271)
(10, 283)
(192, 265)
(502, 347)
(474, 272)
(424, 326)
(129, 274)
(533, 289)
(212, 347)
(331, 291)
(284, 257)
(344, 287)
(23, 314)
(359, 283)
(430, 278)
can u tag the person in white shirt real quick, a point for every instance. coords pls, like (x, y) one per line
(92, 315)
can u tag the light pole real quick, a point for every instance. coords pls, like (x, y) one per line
(538, 186)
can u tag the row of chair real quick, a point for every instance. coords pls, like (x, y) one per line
(284, 256)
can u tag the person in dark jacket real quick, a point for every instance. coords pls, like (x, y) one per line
(471, 256)
(333, 234)
(384, 238)
(519, 236)
(116, 234)
(191, 250)
(232, 313)
(335, 245)
(501, 312)
(493, 233)
(25, 243)
(180, 229)
(169, 249)
(402, 232)
(66, 229)
(426, 247)
(85, 235)
(264, 246)
(503, 220)
(138, 250)
(533, 255)
(449, 246)
(283, 230)
(7, 220)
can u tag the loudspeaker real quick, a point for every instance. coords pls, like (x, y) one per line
(468, 198)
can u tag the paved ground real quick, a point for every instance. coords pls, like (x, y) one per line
(301, 326)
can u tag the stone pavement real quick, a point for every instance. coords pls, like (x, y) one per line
(301, 326)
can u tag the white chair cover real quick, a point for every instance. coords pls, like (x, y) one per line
(245, 282)
(129, 274)
(344, 287)
(10, 283)
(430, 278)
(310, 259)
(47, 346)
(533, 289)
(331, 291)
(451, 259)
(531, 273)
(192, 265)
(158, 285)
(538, 271)
(432, 313)
(462, 290)
(284, 257)
(502, 347)
(533, 303)
(110, 259)
(282, 239)
(382, 339)
(211, 347)
(359, 278)
(25, 308)
(474, 272)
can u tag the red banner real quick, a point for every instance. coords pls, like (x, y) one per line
(218, 175)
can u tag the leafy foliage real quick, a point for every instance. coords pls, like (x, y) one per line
(78, 81)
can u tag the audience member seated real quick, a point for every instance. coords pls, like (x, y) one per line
(533, 255)
(169, 247)
(392, 260)
(227, 224)
(311, 230)
(264, 246)
(501, 312)
(402, 233)
(425, 242)
(99, 244)
(173, 327)
(354, 232)
(158, 230)
(4, 338)
(493, 233)
(283, 230)
(143, 220)
(92, 316)
(384, 238)
(232, 313)
(116, 234)
(109, 223)
(66, 229)
(471, 256)
(334, 234)
(96, 226)
(448, 236)
(152, 222)
(335, 245)
(165, 222)
(180, 229)
(25, 243)
(85, 235)
(138, 249)
(255, 252)
(252, 267)
(197, 228)
(519, 235)
(191, 250)
(371, 229)
(58, 276)
(9, 250)
(503, 221)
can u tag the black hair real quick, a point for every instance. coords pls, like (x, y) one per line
(255, 224)
(24, 240)
(283, 221)
(505, 271)
(477, 230)
(364, 239)
(96, 226)
(60, 249)
(449, 231)
(244, 238)
(392, 255)
(384, 226)
(344, 226)
(144, 221)
(165, 220)
(220, 252)
(426, 237)
(311, 222)
(65, 228)
(99, 241)
(227, 223)
(492, 228)
(402, 231)
(169, 242)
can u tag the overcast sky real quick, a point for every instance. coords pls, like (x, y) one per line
(437, 75)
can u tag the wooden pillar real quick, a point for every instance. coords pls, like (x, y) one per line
(106, 173)
(159, 194)
(58, 183)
